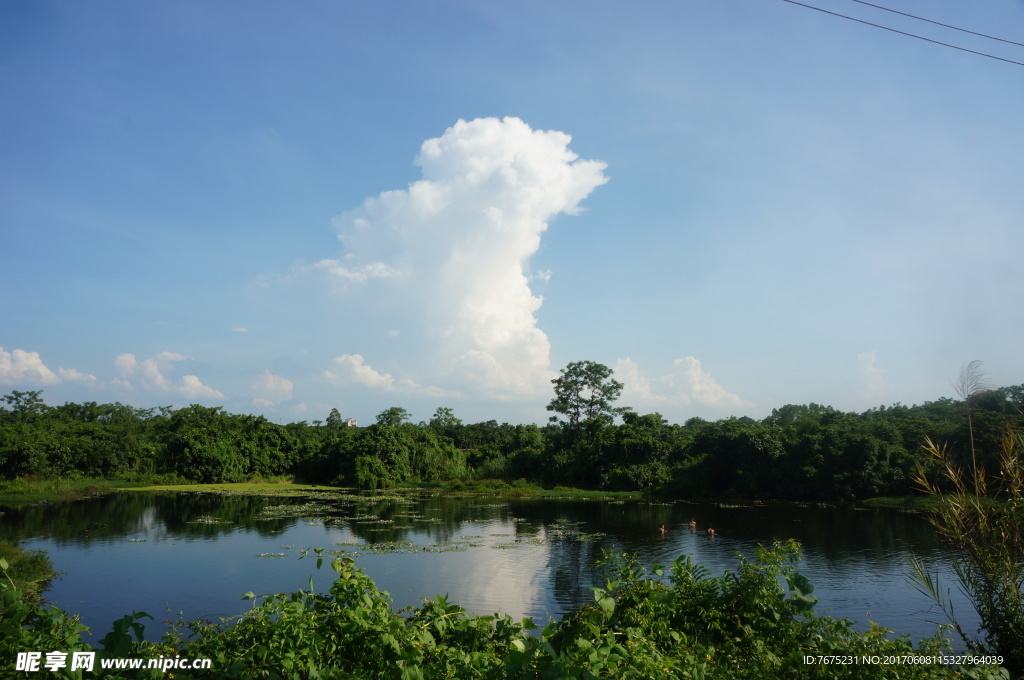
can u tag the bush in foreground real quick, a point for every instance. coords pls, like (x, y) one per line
(683, 623)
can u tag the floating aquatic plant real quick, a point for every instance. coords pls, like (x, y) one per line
(206, 519)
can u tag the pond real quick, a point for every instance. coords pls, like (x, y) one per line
(195, 553)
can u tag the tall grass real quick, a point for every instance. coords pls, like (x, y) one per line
(981, 515)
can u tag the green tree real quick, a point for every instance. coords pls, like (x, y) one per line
(445, 423)
(334, 420)
(381, 457)
(394, 416)
(584, 392)
(25, 405)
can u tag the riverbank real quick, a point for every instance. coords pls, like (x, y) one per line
(906, 503)
(28, 570)
(25, 491)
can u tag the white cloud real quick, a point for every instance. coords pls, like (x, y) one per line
(352, 369)
(171, 356)
(74, 375)
(636, 388)
(874, 389)
(703, 387)
(149, 374)
(272, 387)
(152, 375)
(19, 367)
(359, 274)
(125, 365)
(449, 255)
(192, 388)
(685, 384)
(240, 330)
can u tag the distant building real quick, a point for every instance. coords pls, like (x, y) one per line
(351, 422)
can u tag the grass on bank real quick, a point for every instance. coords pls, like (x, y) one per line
(907, 503)
(33, 490)
(29, 570)
(924, 504)
(276, 486)
(521, 488)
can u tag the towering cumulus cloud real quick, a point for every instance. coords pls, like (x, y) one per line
(445, 263)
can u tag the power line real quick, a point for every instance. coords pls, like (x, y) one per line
(912, 35)
(938, 23)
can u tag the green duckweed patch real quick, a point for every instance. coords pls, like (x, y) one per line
(206, 519)
(905, 503)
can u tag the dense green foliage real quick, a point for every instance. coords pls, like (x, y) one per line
(808, 452)
(681, 624)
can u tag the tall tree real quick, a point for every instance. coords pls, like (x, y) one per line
(445, 423)
(584, 392)
(394, 416)
(25, 405)
(334, 420)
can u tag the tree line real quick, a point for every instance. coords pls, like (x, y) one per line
(799, 452)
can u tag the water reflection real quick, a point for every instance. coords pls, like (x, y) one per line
(198, 552)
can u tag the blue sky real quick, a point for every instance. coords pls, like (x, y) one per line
(282, 209)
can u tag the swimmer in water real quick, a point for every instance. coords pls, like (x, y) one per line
(693, 524)
(710, 531)
(662, 529)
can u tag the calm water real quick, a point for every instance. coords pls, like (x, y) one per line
(197, 553)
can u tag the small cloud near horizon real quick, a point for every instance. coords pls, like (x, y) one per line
(150, 374)
(22, 368)
(685, 384)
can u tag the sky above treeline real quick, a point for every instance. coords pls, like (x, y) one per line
(288, 208)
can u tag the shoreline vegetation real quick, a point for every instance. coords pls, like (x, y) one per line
(26, 491)
(808, 453)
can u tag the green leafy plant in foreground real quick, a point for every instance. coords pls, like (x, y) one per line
(676, 623)
(28, 625)
(679, 622)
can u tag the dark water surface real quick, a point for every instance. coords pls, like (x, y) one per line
(198, 553)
